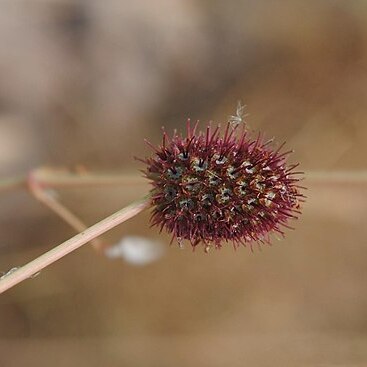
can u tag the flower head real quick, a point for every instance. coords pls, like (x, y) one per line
(211, 189)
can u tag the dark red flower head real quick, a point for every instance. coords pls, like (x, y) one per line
(210, 188)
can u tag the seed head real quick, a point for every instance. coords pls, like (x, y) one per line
(211, 189)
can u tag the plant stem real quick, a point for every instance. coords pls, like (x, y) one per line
(53, 178)
(337, 177)
(59, 209)
(13, 183)
(56, 179)
(36, 265)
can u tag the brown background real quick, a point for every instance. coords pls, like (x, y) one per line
(84, 82)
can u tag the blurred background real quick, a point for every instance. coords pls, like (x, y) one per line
(84, 82)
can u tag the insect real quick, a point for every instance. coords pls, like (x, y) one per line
(238, 119)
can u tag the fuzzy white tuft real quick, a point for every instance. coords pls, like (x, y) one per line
(136, 250)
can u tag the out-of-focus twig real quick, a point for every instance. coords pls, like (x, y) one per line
(51, 178)
(59, 209)
(62, 179)
(337, 177)
(57, 179)
(39, 180)
(13, 183)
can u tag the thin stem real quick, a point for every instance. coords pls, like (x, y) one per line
(62, 179)
(14, 277)
(337, 177)
(56, 179)
(12, 183)
(59, 209)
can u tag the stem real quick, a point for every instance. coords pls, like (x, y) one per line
(13, 183)
(36, 265)
(59, 209)
(337, 177)
(53, 178)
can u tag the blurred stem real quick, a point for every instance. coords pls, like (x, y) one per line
(64, 213)
(62, 179)
(13, 183)
(14, 277)
(57, 179)
(336, 177)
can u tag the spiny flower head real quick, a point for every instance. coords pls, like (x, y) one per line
(211, 189)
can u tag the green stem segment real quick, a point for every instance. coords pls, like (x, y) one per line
(36, 265)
